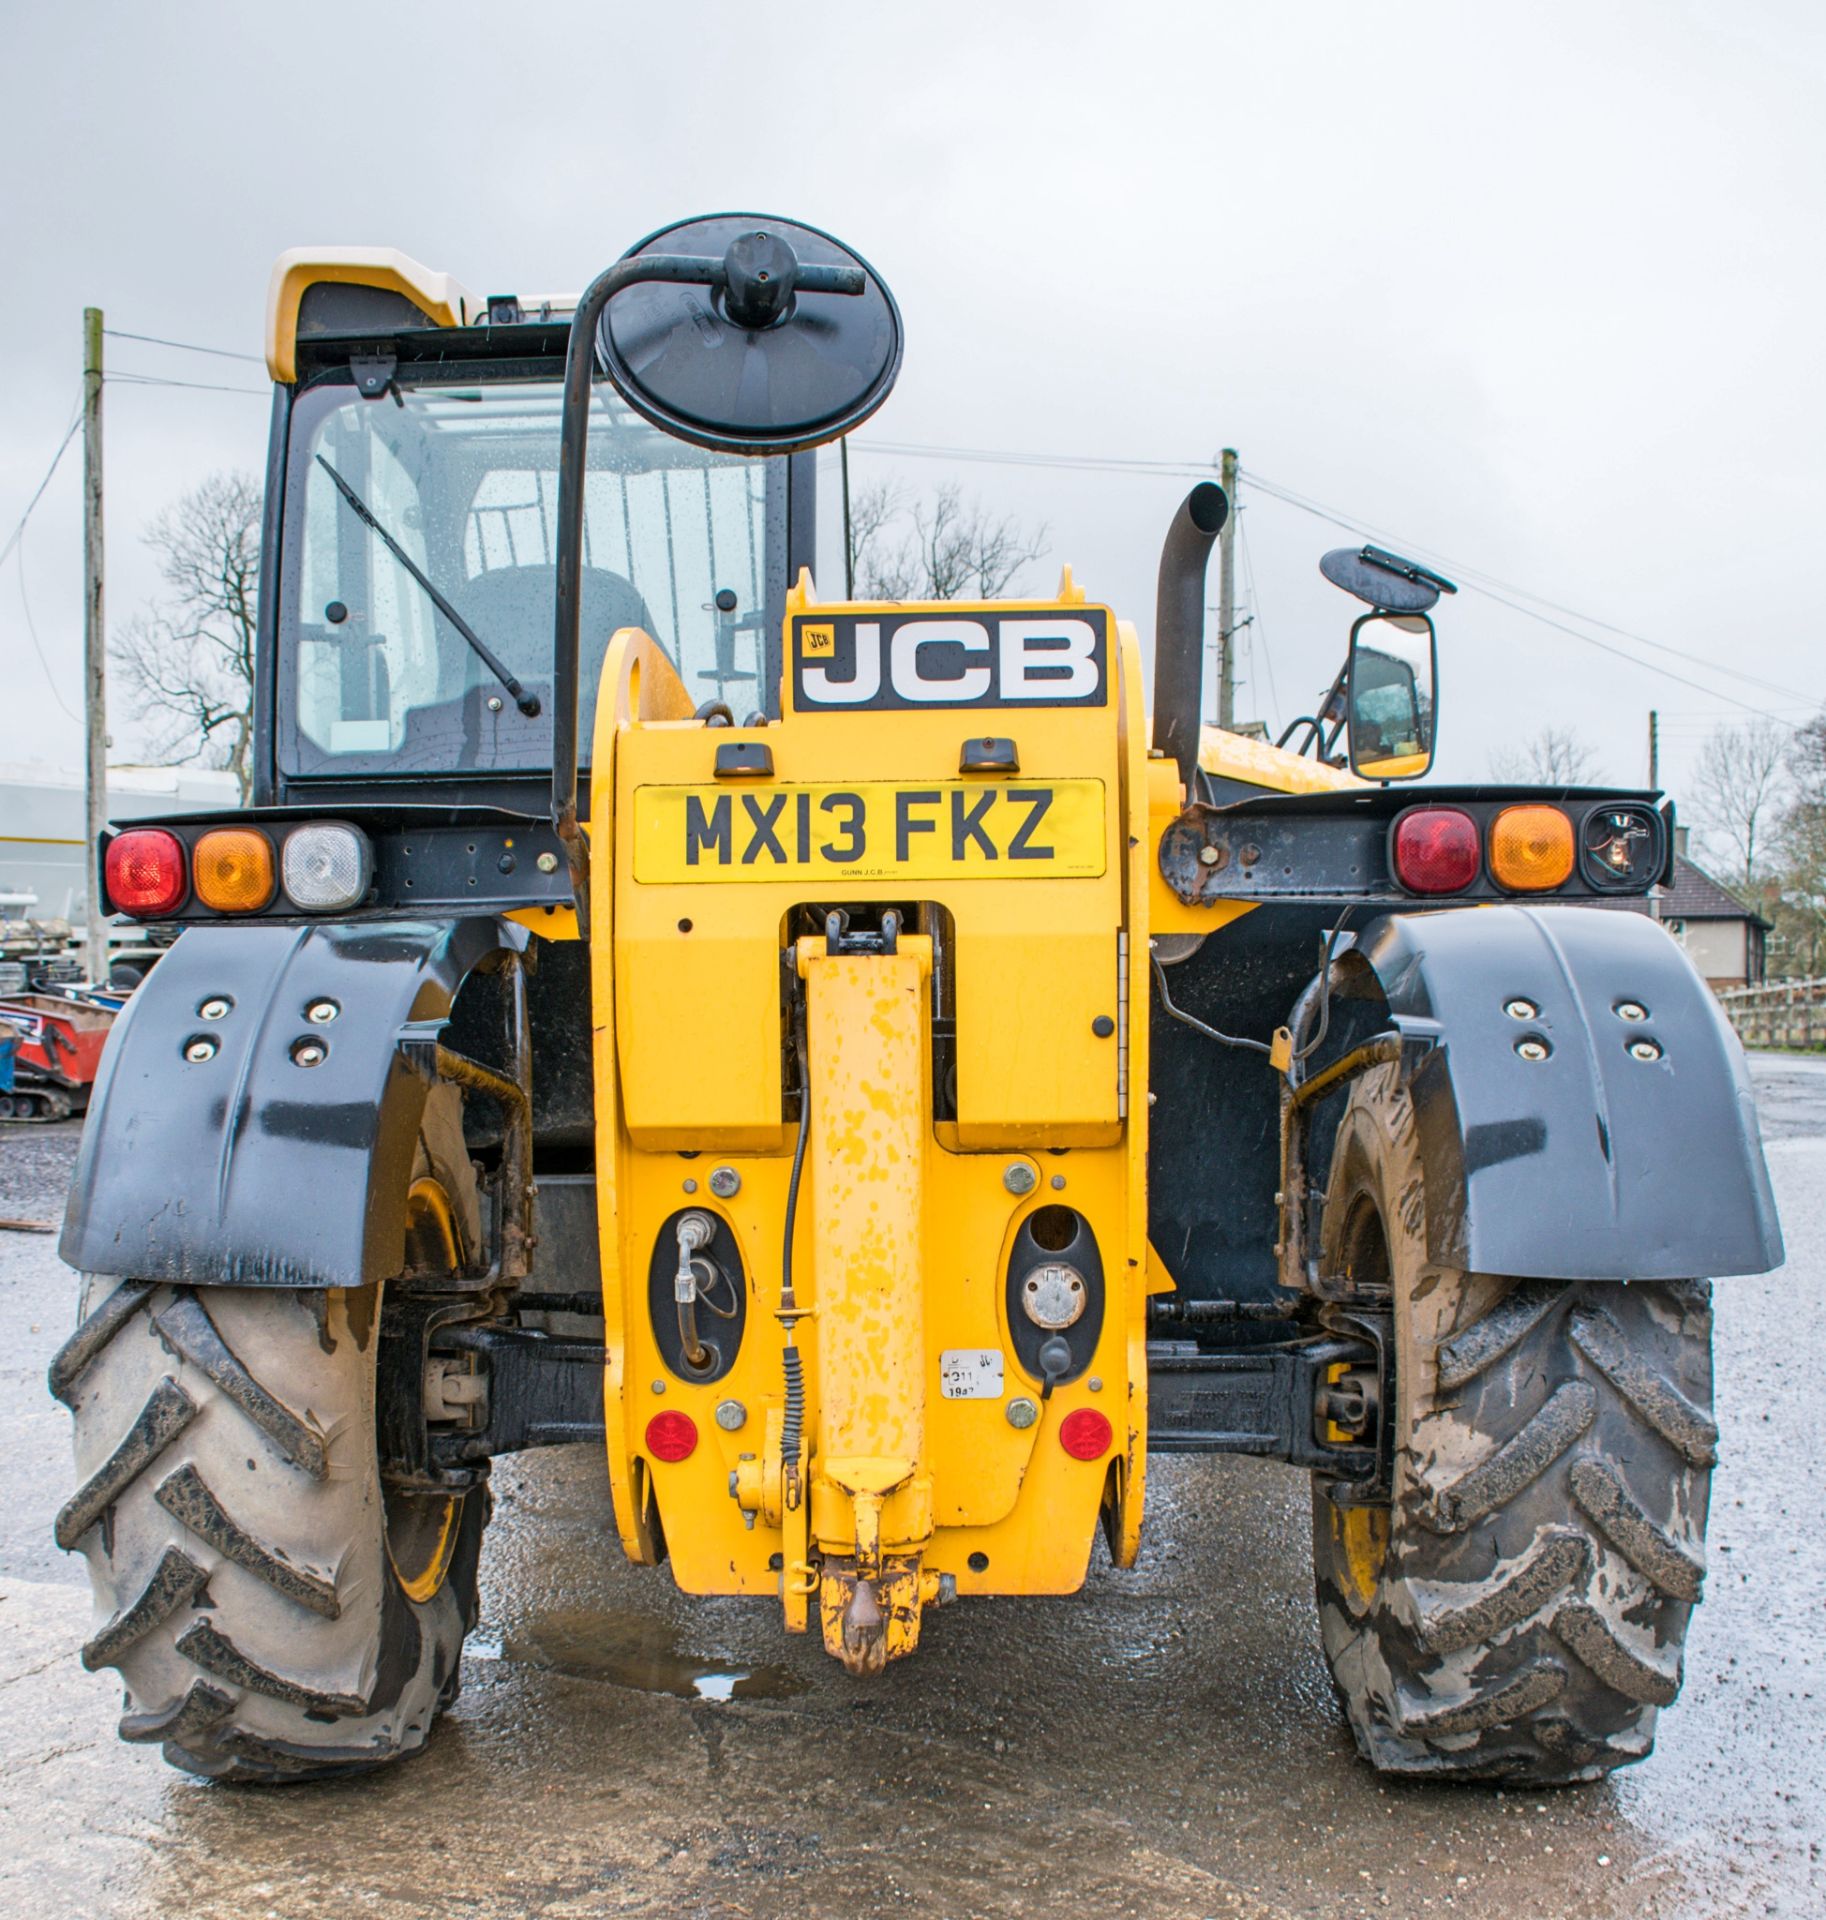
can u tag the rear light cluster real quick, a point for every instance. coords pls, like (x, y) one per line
(324, 868)
(1529, 848)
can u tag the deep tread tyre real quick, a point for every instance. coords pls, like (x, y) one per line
(1519, 1611)
(232, 1513)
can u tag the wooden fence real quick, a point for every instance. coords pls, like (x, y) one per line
(1785, 1013)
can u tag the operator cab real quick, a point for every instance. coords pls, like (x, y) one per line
(412, 529)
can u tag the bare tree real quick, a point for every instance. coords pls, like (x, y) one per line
(957, 549)
(1738, 792)
(1555, 757)
(190, 655)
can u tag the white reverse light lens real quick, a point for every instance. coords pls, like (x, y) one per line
(326, 868)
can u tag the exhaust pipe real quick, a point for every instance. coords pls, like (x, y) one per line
(1179, 624)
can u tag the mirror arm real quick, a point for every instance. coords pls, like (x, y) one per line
(574, 426)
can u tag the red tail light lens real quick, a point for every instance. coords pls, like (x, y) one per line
(1085, 1435)
(671, 1436)
(1436, 850)
(145, 872)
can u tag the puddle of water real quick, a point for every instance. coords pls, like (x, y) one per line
(627, 1650)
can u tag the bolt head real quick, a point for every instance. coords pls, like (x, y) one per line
(1521, 1009)
(1095, 1383)
(547, 863)
(200, 1049)
(691, 1186)
(725, 1183)
(731, 1415)
(1019, 1178)
(1021, 1412)
(1632, 1011)
(309, 1053)
(1207, 856)
(1533, 1049)
(1644, 1050)
(494, 703)
(321, 1012)
(216, 1007)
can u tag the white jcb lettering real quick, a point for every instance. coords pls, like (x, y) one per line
(1035, 649)
(863, 684)
(912, 683)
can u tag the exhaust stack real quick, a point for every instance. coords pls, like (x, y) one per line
(1179, 624)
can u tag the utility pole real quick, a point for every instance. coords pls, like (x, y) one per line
(1654, 748)
(1226, 599)
(94, 640)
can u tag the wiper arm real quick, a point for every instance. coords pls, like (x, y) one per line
(528, 703)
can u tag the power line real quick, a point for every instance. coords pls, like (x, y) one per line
(31, 627)
(183, 346)
(195, 386)
(17, 533)
(1494, 587)
(1504, 592)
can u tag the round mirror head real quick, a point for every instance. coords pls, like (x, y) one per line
(758, 365)
(1358, 570)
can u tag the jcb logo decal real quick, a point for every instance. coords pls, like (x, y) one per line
(976, 659)
(946, 831)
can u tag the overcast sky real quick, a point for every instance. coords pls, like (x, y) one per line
(1537, 289)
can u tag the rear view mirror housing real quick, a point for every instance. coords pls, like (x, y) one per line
(1391, 696)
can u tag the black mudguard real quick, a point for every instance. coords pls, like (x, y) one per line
(247, 1169)
(1592, 1163)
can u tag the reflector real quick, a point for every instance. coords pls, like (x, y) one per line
(671, 1435)
(1085, 1435)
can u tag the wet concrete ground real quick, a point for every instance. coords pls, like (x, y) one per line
(1163, 1744)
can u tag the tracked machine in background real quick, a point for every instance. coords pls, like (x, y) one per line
(847, 1063)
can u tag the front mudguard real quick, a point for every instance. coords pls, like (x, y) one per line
(212, 1157)
(1589, 1162)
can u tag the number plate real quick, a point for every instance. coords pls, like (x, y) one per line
(970, 1373)
(977, 830)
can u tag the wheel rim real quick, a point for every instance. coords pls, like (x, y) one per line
(422, 1528)
(1361, 1537)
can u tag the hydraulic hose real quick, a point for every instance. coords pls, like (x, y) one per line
(792, 1417)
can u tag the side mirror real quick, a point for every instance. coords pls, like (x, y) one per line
(1390, 700)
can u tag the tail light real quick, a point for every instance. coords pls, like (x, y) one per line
(1531, 849)
(145, 872)
(327, 867)
(233, 870)
(1436, 850)
(1085, 1434)
(672, 1435)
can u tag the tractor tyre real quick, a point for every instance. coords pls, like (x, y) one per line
(276, 1611)
(1517, 1609)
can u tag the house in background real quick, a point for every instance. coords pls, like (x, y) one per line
(1723, 938)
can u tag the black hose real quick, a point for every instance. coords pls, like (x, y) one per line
(1179, 624)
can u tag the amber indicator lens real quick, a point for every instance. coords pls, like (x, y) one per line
(232, 870)
(1531, 849)
(671, 1436)
(1436, 850)
(145, 872)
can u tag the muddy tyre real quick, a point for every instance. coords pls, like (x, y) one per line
(276, 1612)
(1518, 1609)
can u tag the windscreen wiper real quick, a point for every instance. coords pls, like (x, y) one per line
(528, 703)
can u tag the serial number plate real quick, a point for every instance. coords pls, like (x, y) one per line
(1038, 830)
(970, 1373)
